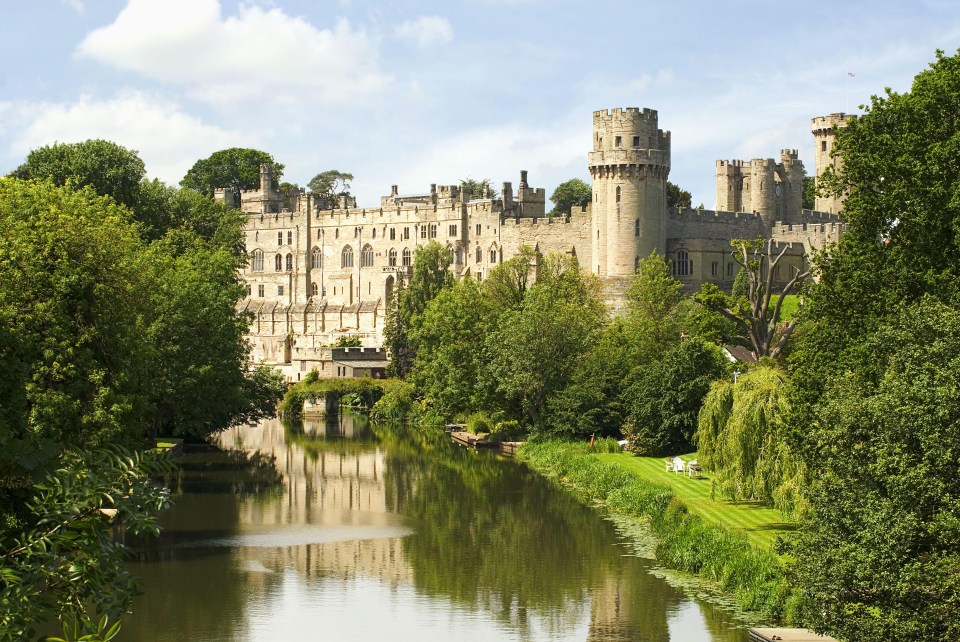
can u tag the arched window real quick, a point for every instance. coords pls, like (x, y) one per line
(406, 258)
(315, 289)
(493, 254)
(479, 255)
(392, 258)
(366, 256)
(316, 260)
(346, 257)
(289, 262)
(684, 264)
(278, 262)
(374, 232)
(257, 260)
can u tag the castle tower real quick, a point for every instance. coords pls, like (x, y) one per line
(763, 191)
(629, 165)
(730, 186)
(824, 130)
(791, 183)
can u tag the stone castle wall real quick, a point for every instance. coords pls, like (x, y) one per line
(316, 275)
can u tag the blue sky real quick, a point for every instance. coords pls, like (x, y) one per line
(419, 92)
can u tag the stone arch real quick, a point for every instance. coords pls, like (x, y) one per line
(346, 257)
(366, 256)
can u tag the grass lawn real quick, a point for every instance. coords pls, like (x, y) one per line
(761, 524)
(791, 304)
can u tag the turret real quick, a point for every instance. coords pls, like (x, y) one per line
(629, 165)
(824, 129)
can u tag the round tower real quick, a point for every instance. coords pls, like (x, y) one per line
(824, 130)
(792, 185)
(629, 165)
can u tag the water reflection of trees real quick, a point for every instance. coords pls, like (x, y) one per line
(493, 536)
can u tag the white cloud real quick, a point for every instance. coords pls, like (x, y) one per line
(258, 54)
(168, 140)
(425, 31)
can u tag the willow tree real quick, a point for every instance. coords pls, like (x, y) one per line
(739, 439)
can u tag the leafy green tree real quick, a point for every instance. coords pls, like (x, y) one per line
(809, 193)
(568, 194)
(664, 397)
(478, 188)
(236, 168)
(677, 197)
(653, 301)
(111, 170)
(506, 285)
(758, 323)
(449, 339)
(66, 564)
(431, 274)
(533, 351)
(330, 184)
(878, 556)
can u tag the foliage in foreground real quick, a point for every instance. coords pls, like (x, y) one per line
(66, 563)
(685, 542)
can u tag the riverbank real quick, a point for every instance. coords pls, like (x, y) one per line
(751, 573)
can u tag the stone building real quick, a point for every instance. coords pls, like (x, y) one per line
(317, 274)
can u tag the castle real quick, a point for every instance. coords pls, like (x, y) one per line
(318, 274)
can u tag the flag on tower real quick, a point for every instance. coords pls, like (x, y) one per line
(850, 73)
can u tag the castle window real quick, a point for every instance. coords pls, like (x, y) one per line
(393, 233)
(493, 256)
(257, 261)
(423, 231)
(715, 268)
(278, 262)
(479, 229)
(289, 262)
(683, 266)
(458, 256)
(279, 238)
(730, 270)
(279, 290)
(433, 230)
(452, 230)
(406, 234)
(823, 145)
(618, 194)
(636, 141)
(392, 258)
(346, 257)
(260, 291)
(616, 141)
(336, 233)
(374, 232)
(315, 289)
(290, 238)
(479, 255)
(316, 261)
(636, 227)
(249, 289)
(356, 232)
(366, 256)
(319, 234)
(406, 258)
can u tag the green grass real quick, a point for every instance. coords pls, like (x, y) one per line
(791, 304)
(759, 523)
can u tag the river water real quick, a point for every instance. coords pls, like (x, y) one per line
(335, 531)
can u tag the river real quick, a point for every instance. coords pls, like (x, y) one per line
(334, 531)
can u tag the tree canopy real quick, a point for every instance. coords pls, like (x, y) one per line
(236, 168)
(568, 194)
(474, 188)
(678, 197)
(330, 184)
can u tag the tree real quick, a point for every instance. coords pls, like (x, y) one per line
(758, 323)
(533, 351)
(111, 170)
(653, 298)
(330, 184)
(878, 557)
(236, 168)
(873, 404)
(506, 285)
(478, 188)
(809, 193)
(449, 337)
(741, 439)
(431, 274)
(664, 397)
(677, 197)
(568, 194)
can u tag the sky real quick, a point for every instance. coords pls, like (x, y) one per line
(414, 92)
